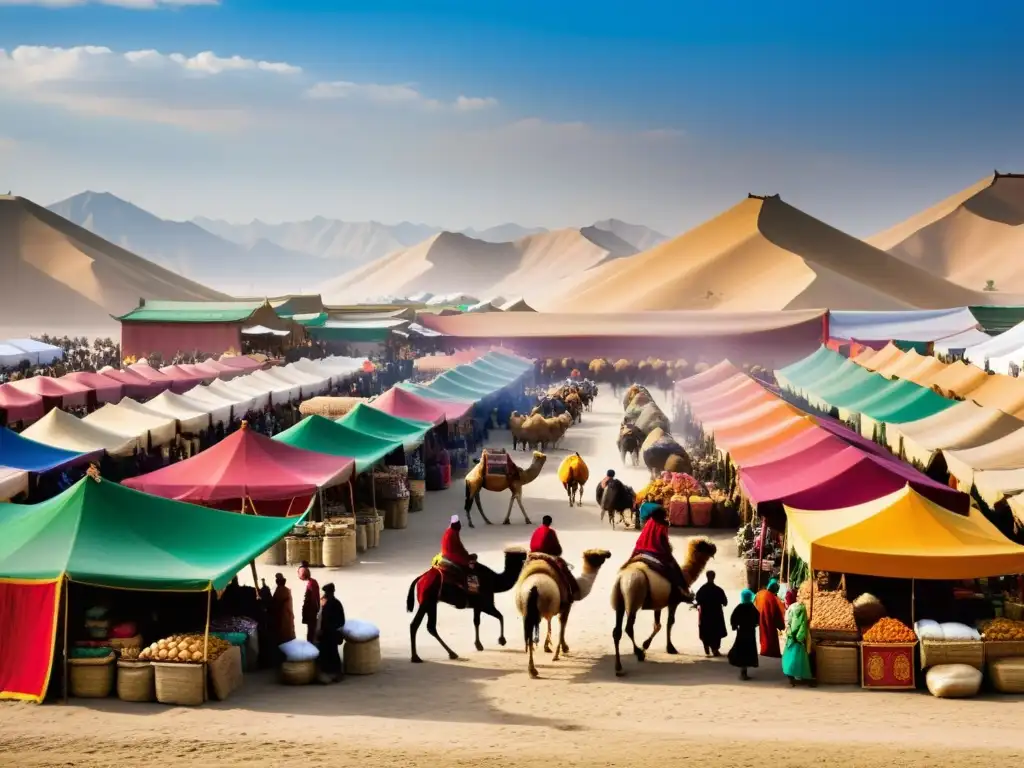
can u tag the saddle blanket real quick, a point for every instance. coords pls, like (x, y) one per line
(496, 462)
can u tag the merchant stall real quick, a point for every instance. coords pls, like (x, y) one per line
(900, 583)
(38, 466)
(89, 575)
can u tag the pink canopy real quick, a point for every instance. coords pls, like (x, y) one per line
(135, 384)
(247, 466)
(68, 392)
(204, 372)
(107, 389)
(407, 405)
(226, 371)
(181, 380)
(19, 405)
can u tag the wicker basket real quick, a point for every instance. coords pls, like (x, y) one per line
(298, 672)
(361, 538)
(316, 552)
(135, 681)
(1003, 649)
(340, 551)
(181, 685)
(226, 673)
(362, 658)
(1007, 675)
(396, 513)
(936, 652)
(120, 643)
(297, 549)
(276, 555)
(837, 664)
(91, 678)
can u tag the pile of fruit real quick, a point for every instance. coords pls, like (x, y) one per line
(890, 630)
(1004, 630)
(681, 483)
(832, 612)
(658, 491)
(184, 648)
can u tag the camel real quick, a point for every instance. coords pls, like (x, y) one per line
(539, 596)
(536, 431)
(615, 498)
(574, 406)
(495, 471)
(574, 474)
(639, 587)
(515, 426)
(430, 589)
(662, 453)
(629, 442)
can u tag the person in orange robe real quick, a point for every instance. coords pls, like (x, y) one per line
(772, 619)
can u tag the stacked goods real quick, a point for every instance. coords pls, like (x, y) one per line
(950, 643)
(831, 614)
(887, 656)
(1003, 638)
(392, 484)
(1007, 674)
(658, 491)
(184, 649)
(889, 630)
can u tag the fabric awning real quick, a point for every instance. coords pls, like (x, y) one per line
(129, 420)
(370, 421)
(262, 330)
(62, 430)
(20, 452)
(406, 405)
(20, 406)
(107, 389)
(68, 392)
(322, 435)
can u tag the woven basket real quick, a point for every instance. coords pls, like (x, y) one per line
(340, 551)
(837, 664)
(135, 681)
(1007, 675)
(226, 673)
(1003, 649)
(181, 685)
(297, 549)
(276, 555)
(396, 513)
(91, 678)
(316, 552)
(298, 672)
(329, 406)
(936, 652)
(362, 658)
(361, 538)
(120, 643)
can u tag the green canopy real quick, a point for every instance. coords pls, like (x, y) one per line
(902, 401)
(847, 386)
(455, 391)
(811, 368)
(384, 426)
(471, 382)
(488, 374)
(321, 435)
(432, 394)
(98, 532)
(507, 361)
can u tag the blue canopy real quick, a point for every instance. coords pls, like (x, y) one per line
(19, 452)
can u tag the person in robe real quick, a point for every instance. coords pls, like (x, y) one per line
(545, 540)
(790, 597)
(454, 553)
(310, 601)
(653, 543)
(773, 619)
(711, 602)
(332, 620)
(282, 614)
(744, 622)
(647, 509)
(796, 660)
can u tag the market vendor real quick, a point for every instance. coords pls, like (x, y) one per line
(310, 601)
(772, 619)
(654, 543)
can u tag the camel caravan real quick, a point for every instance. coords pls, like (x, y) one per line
(557, 409)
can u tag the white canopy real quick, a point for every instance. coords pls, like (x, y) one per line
(130, 419)
(220, 407)
(62, 430)
(12, 482)
(242, 388)
(281, 389)
(262, 330)
(36, 352)
(191, 415)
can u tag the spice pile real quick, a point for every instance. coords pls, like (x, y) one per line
(890, 630)
(184, 648)
(832, 612)
(1004, 630)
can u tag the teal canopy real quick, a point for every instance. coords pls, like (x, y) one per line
(432, 394)
(316, 433)
(451, 389)
(384, 426)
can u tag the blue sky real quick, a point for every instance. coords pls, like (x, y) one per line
(657, 112)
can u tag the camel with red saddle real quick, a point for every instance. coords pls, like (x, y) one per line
(497, 472)
(543, 592)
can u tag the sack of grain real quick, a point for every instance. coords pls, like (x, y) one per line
(953, 681)
(868, 610)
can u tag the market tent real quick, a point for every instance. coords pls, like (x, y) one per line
(993, 485)
(463, 379)
(958, 379)
(714, 398)
(151, 374)
(98, 532)
(798, 443)
(901, 536)
(1005, 453)
(322, 435)
(225, 372)
(135, 384)
(36, 352)
(12, 357)
(107, 390)
(181, 380)
(20, 452)
(244, 362)
(198, 370)
(965, 425)
(848, 384)
(903, 401)
(885, 356)
(1006, 343)
(757, 442)
(62, 430)
(925, 372)
(505, 357)
(220, 408)
(308, 385)
(708, 378)
(763, 415)
(20, 406)
(960, 342)
(247, 466)
(129, 419)
(245, 389)
(12, 482)
(832, 474)
(280, 389)
(477, 373)
(744, 400)
(406, 405)
(65, 393)
(847, 435)
(433, 394)
(455, 391)
(370, 421)
(192, 417)
(905, 325)
(495, 368)
(812, 368)
(1010, 364)
(1003, 392)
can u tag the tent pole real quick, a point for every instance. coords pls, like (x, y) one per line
(913, 601)
(67, 599)
(206, 634)
(814, 584)
(352, 494)
(785, 553)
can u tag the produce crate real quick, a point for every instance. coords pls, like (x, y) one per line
(836, 663)
(180, 685)
(226, 673)
(887, 666)
(1007, 675)
(936, 652)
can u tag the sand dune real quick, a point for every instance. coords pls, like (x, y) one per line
(61, 278)
(762, 254)
(970, 238)
(531, 266)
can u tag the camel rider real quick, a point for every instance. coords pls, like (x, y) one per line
(653, 544)
(544, 545)
(608, 476)
(454, 559)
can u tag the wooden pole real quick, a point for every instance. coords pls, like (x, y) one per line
(67, 599)
(352, 494)
(786, 563)
(814, 583)
(206, 634)
(913, 601)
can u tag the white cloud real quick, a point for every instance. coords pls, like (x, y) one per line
(137, 5)
(383, 94)
(472, 103)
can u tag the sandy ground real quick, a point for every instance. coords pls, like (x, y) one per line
(483, 710)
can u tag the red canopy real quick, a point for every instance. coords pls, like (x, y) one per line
(68, 392)
(226, 371)
(181, 380)
(107, 390)
(406, 405)
(20, 406)
(199, 371)
(247, 465)
(135, 384)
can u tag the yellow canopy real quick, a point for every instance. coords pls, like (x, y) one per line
(902, 536)
(886, 356)
(958, 379)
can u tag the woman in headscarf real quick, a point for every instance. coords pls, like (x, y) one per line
(790, 597)
(744, 621)
(796, 661)
(773, 619)
(332, 619)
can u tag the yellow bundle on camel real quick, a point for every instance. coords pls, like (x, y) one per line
(573, 474)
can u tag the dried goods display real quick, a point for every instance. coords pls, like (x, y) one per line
(831, 611)
(890, 630)
(184, 648)
(1002, 630)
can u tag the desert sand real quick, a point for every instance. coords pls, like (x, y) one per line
(62, 278)
(969, 238)
(762, 254)
(484, 711)
(530, 266)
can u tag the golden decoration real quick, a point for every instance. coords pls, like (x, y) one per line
(901, 668)
(876, 667)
